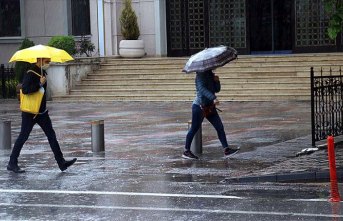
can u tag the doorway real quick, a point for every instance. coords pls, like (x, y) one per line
(270, 26)
(193, 25)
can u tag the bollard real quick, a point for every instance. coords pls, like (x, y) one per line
(196, 146)
(335, 197)
(5, 135)
(98, 139)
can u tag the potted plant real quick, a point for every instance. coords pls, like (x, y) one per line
(131, 46)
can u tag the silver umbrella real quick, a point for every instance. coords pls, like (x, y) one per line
(210, 58)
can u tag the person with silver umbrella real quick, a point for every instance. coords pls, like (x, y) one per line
(207, 85)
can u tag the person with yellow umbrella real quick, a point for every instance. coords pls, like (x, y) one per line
(35, 80)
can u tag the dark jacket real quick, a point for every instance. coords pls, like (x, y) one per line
(31, 84)
(206, 87)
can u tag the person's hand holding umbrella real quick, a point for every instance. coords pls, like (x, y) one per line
(216, 78)
(42, 80)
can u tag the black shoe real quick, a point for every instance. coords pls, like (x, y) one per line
(189, 155)
(228, 152)
(67, 163)
(15, 168)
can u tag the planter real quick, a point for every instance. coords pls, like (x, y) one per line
(131, 48)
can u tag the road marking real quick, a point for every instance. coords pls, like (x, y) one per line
(75, 192)
(174, 210)
(309, 200)
(119, 193)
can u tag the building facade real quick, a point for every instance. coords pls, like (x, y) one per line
(39, 20)
(172, 27)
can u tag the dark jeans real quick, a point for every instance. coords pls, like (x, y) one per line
(197, 119)
(27, 123)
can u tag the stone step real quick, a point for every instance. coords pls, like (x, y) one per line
(311, 57)
(180, 79)
(172, 77)
(168, 75)
(230, 70)
(181, 91)
(220, 73)
(186, 85)
(234, 66)
(299, 71)
(170, 98)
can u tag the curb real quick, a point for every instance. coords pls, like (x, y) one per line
(305, 177)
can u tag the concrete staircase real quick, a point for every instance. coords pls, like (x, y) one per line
(250, 78)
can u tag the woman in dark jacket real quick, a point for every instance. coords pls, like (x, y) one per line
(33, 80)
(207, 84)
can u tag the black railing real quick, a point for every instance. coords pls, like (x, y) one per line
(326, 105)
(8, 82)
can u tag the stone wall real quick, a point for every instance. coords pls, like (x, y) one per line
(63, 77)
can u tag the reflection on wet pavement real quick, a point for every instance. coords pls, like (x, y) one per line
(143, 143)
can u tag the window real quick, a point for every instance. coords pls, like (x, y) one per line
(10, 22)
(80, 17)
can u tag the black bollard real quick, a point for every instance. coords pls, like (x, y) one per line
(98, 139)
(196, 146)
(5, 135)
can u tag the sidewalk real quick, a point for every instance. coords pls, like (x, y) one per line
(149, 138)
(287, 167)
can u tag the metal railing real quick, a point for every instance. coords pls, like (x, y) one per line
(326, 104)
(8, 82)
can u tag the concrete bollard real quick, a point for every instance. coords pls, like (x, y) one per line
(196, 146)
(5, 135)
(98, 139)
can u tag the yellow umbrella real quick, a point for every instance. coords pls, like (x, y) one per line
(41, 51)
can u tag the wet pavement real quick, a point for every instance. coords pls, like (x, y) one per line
(141, 175)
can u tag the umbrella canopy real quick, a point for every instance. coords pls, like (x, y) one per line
(210, 58)
(41, 51)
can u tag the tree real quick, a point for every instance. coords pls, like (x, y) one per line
(128, 22)
(334, 8)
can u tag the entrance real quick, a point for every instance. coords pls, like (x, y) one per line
(193, 25)
(270, 26)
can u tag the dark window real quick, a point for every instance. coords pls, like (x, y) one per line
(80, 17)
(10, 24)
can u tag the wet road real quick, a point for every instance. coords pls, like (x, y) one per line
(141, 175)
(75, 195)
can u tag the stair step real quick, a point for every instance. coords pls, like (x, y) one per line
(310, 57)
(171, 78)
(230, 68)
(180, 80)
(179, 91)
(285, 97)
(190, 85)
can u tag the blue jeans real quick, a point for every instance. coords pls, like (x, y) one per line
(197, 119)
(27, 123)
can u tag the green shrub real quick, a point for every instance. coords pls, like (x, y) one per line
(66, 43)
(128, 22)
(11, 88)
(85, 46)
(20, 66)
